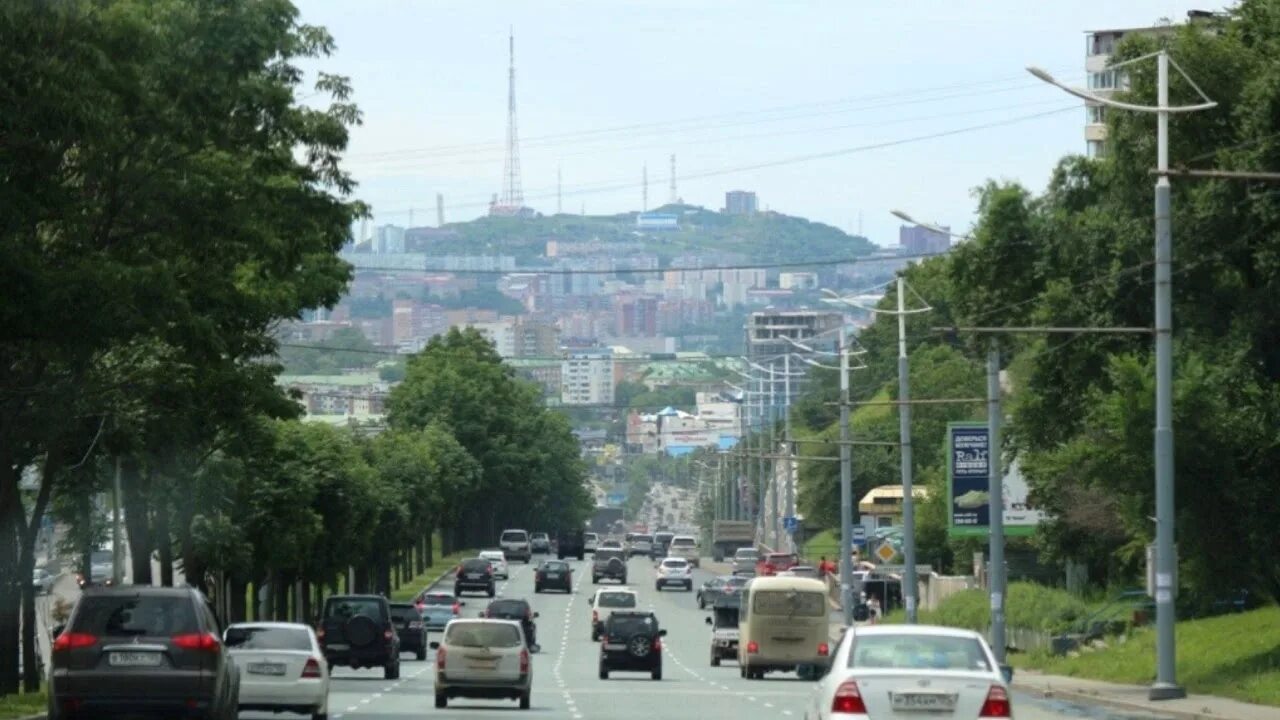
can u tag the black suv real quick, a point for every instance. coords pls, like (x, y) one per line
(357, 631)
(411, 629)
(475, 575)
(132, 651)
(572, 543)
(631, 641)
(518, 610)
(609, 563)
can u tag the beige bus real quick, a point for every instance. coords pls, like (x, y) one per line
(783, 626)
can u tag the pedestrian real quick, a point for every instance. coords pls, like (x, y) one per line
(873, 603)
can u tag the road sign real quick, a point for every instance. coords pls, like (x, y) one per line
(886, 552)
(790, 523)
(859, 532)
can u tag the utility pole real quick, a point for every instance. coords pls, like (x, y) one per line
(773, 465)
(760, 456)
(910, 583)
(846, 489)
(786, 440)
(117, 557)
(995, 504)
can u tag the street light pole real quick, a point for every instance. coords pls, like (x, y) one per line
(786, 440)
(846, 489)
(1166, 686)
(910, 583)
(995, 505)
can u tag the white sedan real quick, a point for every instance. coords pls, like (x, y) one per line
(498, 561)
(281, 668)
(901, 671)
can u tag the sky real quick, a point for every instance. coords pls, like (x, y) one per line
(834, 110)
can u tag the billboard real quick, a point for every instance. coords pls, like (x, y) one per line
(968, 471)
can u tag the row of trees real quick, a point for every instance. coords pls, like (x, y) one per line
(1081, 408)
(169, 199)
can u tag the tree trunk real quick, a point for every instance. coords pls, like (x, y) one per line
(163, 539)
(237, 609)
(361, 580)
(427, 547)
(135, 488)
(52, 467)
(304, 609)
(280, 589)
(9, 598)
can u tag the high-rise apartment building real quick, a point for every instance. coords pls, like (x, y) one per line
(921, 240)
(740, 202)
(389, 239)
(635, 316)
(586, 377)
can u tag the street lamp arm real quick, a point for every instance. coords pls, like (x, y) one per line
(1091, 97)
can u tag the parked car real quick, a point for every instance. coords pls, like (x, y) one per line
(718, 587)
(358, 631)
(631, 641)
(609, 563)
(724, 628)
(605, 602)
(438, 608)
(411, 628)
(540, 542)
(674, 571)
(482, 658)
(555, 574)
(515, 545)
(498, 560)
(910, 671)
(774, 563)
(475, 575)
(282, 668)
(141, 650)
(519, 611)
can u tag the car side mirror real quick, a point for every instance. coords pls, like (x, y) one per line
(710, 621)
(57, 630)
(535, 648)
(435, 645)
(1006, 671)
(535, 615)
(662, 633)
(462, 603)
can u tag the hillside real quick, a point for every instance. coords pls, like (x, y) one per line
(764, 237)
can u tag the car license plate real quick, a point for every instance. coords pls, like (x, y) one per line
(134, 659)
(473, 576)
(266, 669)
(553, 576)
(615, 646)
(926, 702)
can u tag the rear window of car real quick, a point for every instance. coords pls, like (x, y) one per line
(627, 624)
(663, 537)
(135, 615)
(508, 608)
(439, 600)
(904, 651)
(616, 600)
(726, 617)
(492, 555)
(675, 563)
(351, 607)
(608, 554)
(789, 602)
(515, 536)
(407, 612)
(476, 565)
(683, 541)
(241, 637)
(475, 634)
(736, 581)
(747, 553)
(556, 566)
(642, 538)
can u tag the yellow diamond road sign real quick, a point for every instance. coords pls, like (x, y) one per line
(886, 552)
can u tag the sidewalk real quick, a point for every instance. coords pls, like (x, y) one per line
(1134, 698)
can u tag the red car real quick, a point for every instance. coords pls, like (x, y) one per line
(774, 563)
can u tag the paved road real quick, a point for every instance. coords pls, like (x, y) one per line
(565, 682)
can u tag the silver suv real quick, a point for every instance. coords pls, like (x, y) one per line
(515, 545)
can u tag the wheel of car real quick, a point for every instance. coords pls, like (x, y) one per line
(742, 671)
(715, 658)
(657, 673)
(491, 591)
(319, 716)
(595, 579)
(391, 671)
(640, 646)
(594, 636)
(702, 604)
(623, 580)
(537, 589)
(421, 654)
(524, 701)
(657, 586)
(442, 700)
(361, 630)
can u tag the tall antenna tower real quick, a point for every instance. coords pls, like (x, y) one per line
(512, 200)
(439, 210)
(674, 197)
(644, 198)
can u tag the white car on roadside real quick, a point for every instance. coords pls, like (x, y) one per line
(281, 666)
(484, 658)
(906, 671)
(674, 571)
(498, 561)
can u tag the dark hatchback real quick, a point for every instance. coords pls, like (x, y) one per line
(144, 652)
(475, 575)
(357, 631)
(411, 628)
(631, 641)
(518, 610)
(553, 574)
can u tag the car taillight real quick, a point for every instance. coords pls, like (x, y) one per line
(388, 634)
(311, 669)
(753, 647)
(537, 575)
(73, 640)
(204, 642)
(604, 638)
(848, 699)
(823, 649)
(440, 658)
(997, 704)
(457, 608)
(595, 616)
(657, 644)
(524, 661)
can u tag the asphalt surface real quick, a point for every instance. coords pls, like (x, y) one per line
(565, 681)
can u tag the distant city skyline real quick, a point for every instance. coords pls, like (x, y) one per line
(827, 110)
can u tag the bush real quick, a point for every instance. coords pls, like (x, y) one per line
(1027, 605)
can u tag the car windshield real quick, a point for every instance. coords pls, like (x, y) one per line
(249, 637)
(789, 602)
(351, 607)
(625, 625)
(726, 617)
(508, 608)
(476, 634)
(616, 600)
(150, 615)
(918, 652)
(514, 536)
(439, 600)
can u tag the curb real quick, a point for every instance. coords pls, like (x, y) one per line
(1088, 698)
(41, 716)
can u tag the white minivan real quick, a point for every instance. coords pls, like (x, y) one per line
(515, 545)
(482, 658)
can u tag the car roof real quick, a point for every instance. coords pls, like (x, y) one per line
(491, 553)
(787, 583)
(438, 593)
(626, 590)
(632, 613)
(126, 590)
(923, 630)
(270, 625)
(484, 621)
(504, 532)
(675, 560)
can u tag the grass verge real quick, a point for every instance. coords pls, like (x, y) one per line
(414, 585)
(1028, 605)
(1235, 656)
(22, 705)
(824, 543)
